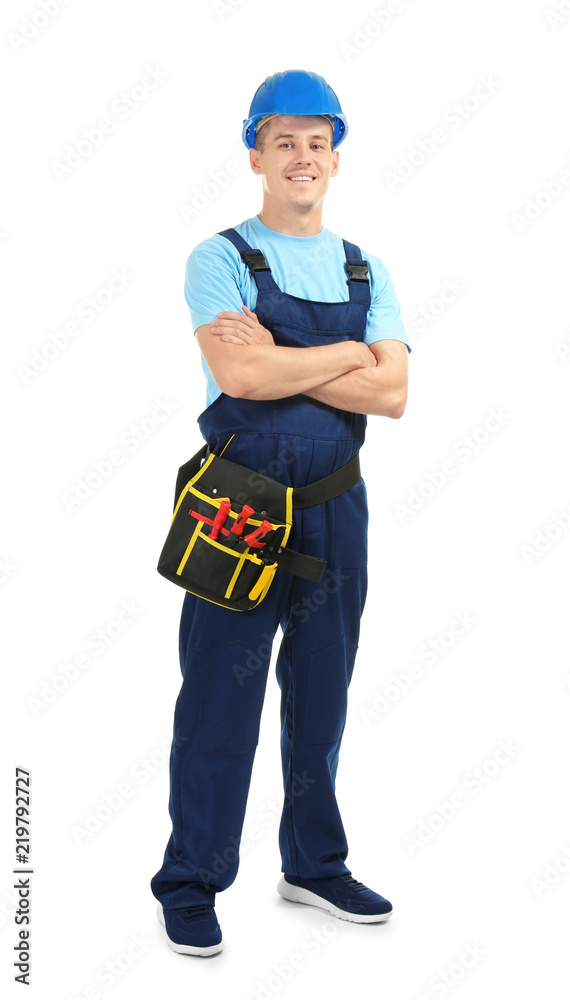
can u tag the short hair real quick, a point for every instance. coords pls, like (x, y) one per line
(263, 132)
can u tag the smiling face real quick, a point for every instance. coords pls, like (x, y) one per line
(296, 162)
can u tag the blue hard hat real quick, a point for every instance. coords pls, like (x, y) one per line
(294, 92)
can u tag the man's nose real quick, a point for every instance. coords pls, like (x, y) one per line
(304, 156)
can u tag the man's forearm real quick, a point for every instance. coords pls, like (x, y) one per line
(268, 371)
(365, 390)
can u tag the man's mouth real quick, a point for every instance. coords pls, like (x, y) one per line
(301, 178)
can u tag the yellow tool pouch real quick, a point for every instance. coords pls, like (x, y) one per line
(230, 527)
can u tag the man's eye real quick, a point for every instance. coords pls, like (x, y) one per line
(317, 144)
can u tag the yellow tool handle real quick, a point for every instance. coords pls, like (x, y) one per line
(260, 584)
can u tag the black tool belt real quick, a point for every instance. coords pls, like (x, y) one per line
(230, 526)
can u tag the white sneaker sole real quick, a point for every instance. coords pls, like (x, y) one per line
(299, 895)
(187, 949)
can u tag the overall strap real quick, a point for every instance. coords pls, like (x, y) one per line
(255, 261)
(357, 270)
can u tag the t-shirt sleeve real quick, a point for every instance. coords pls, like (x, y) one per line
(211, 286)
(384, 315)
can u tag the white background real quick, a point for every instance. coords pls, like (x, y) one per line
(493, 876)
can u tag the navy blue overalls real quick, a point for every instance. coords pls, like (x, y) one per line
(225, 654)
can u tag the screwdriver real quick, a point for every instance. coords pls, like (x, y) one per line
(220, 518)
(240, 520)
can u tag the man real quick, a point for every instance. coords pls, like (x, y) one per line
(299, 344)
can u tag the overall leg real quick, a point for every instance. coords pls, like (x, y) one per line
(316, 658)
(224, 659)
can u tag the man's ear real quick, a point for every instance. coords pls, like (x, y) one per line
(335, 163)
(254, 161)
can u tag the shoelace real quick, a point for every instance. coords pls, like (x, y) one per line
(351, 881)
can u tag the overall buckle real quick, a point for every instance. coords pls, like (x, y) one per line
(254, 265)
(357, 269)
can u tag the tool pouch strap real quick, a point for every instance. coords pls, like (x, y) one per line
(307, 567)
(303, 496)
(328, 487)
(187, 471)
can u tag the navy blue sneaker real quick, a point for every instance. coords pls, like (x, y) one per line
(342, 896)
(192, 930)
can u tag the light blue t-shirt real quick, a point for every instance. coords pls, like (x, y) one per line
(310, 267)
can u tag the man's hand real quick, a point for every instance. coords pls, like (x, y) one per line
(234, 328)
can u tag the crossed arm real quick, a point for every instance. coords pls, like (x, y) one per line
(347, 375)
(381, 390)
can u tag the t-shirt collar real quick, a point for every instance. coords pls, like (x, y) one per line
(271, 234)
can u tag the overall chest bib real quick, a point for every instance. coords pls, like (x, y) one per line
(295, 322)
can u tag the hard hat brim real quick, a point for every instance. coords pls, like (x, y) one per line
(249, 129)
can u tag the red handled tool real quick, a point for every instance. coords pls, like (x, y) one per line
(253, 539)
(240, 520)
(206, 520)
(220, 518)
